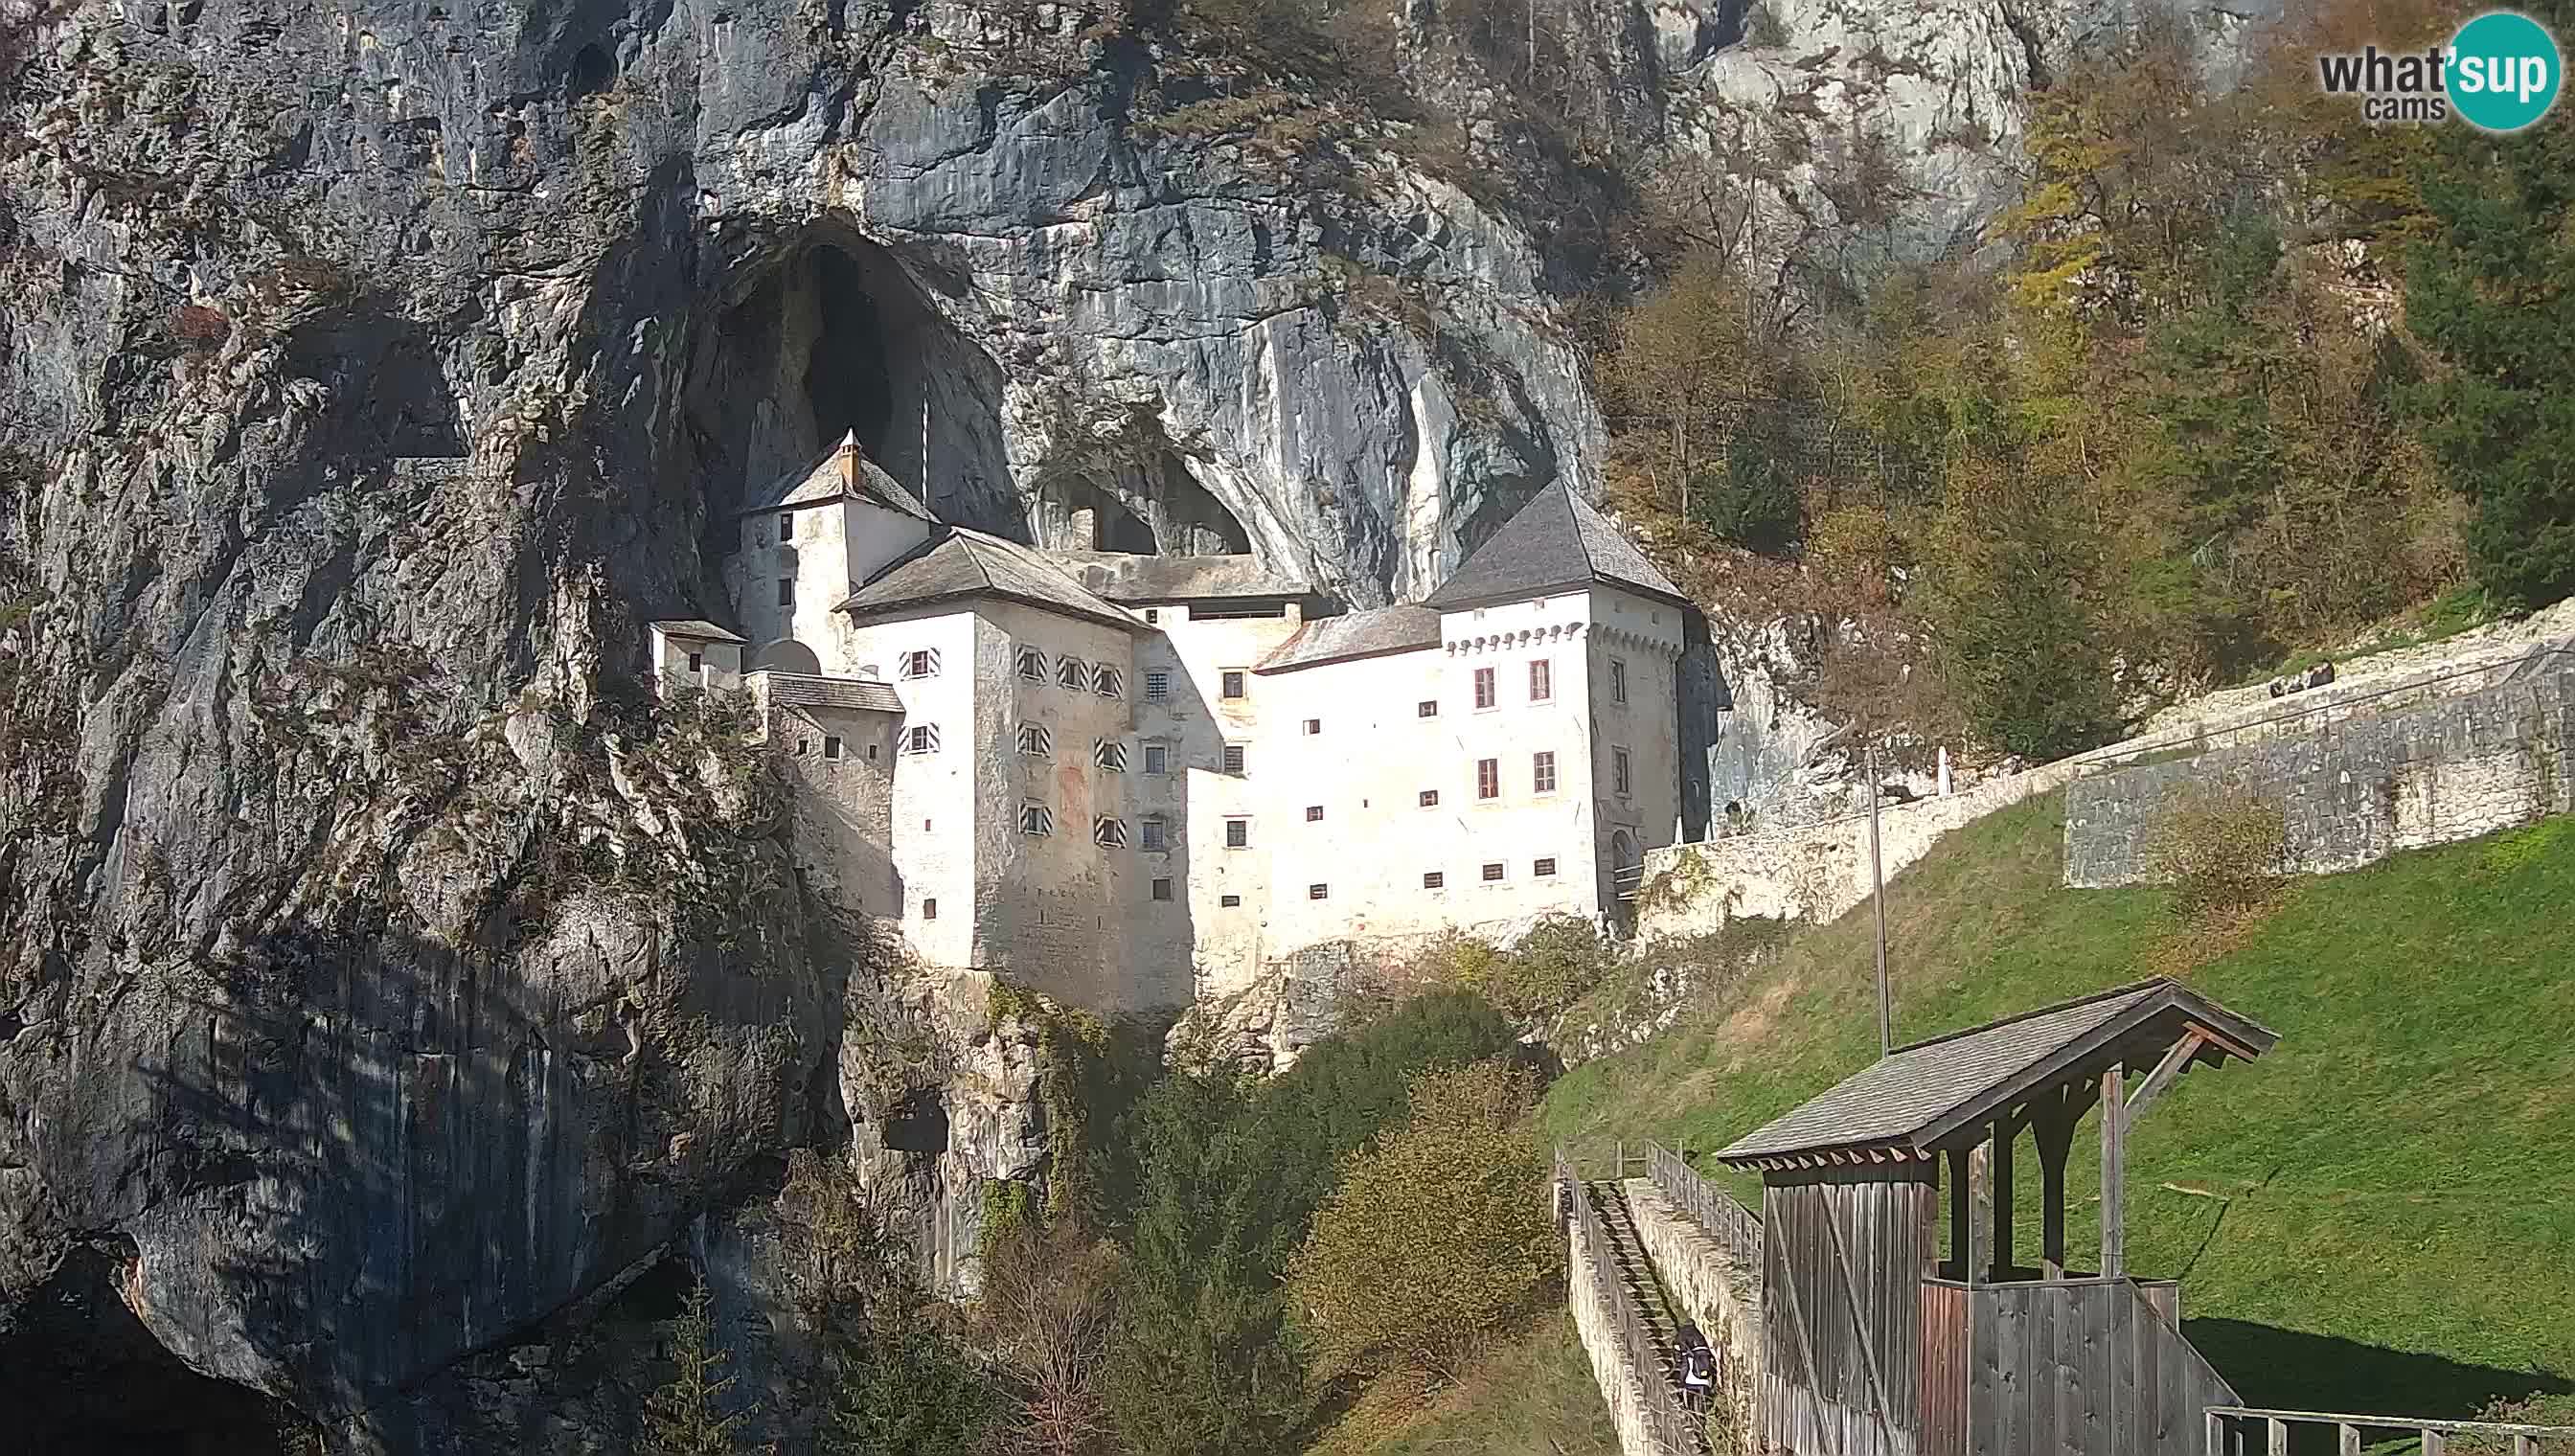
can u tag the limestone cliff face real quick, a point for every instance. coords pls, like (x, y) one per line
(379, 975)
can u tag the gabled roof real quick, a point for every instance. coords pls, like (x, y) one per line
(1127, 577)
(839, 472)
(1370, 634)
(1919, 1095)
(697, 629)
(805, 689)
(957, 563)
(1558, 542)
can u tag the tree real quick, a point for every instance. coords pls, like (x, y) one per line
(1435, 1238)
(1048, 1298)
(685, 1417)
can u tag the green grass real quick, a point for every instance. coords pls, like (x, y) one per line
(1533, 1396)
(2379, 1216)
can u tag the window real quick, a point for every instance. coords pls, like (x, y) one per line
(830, 746)
(1158, 685)
(804, 746)
(921, 739)
(1617, 679)
(929, 910)
(1238, 834)
(1426, 708)
(1162, 889)
(1108, 832)
(1110, 755)
(1314, 725)
(1108, 681)
(1542, 681)
(1434, 879)
(1543, 773)
(923, 663)
(1429, 799)
(1619, 778)
(1318, 891)
(1484, 695)
(696, 662)
(1228, 901)
(787, 590)
(1489, 777)
(872, 752)
(1070, 673)
(1153, 827)
(1158, 759)
(1493, 872)
(1153, 613)
(1232, 685)
(1036, 742)
(1313, 813)
(1544, 869)
(1036, 819)
(1234, 759)
(785, 527)
(1031, 664)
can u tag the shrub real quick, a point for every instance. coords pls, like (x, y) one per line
(2222, 850)
(1435, 1238)
(2531, 1410)
(1560, 960)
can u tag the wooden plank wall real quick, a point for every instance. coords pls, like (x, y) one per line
(1843, 1261)
(1944, 1370)
(2084, 1367)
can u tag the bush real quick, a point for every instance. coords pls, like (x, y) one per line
(2222, 850)
(1554, 965)
(1434, 1239)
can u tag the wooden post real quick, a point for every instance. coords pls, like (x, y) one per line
(1981, 1183)
(2053, 1131)
(2114, 1174)
(2004, 1136)
(1961, 1218)
(2349, 1438)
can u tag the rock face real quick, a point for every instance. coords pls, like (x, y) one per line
(377, 977)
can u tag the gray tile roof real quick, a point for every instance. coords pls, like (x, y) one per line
(960, 564)
(1126, 577)
(842, 469)
(1355, 635)
(1923, 1091)
(1556, 541)
(698, 629)
(800, 690)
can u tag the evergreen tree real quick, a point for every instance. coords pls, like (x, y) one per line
(685, 1417)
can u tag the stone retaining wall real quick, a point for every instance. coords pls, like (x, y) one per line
(1622, 1386)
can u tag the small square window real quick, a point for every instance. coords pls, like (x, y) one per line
(1493, 872)
(1489, 777)
(1234, 759)
(830, 746)
(1426, 708)
(1430, 798)
(1434, 879)
(1158, 685)
(1036, 819)
(1314, 725)
(1153, 613)
(1318, 891)
(1072, 673)
(929, 910)
(1617, 681)
(1108, 683)
(1543, 773)
(1036, 742)
(1228, 901)
(785, 527)
(1542, 681)
(1620, 780)
(872, 752)
(1031, 664)
(696, 662)
(804, 746)
(787, 590)
(1232, 685)
(1158, 759)
(921, 739)
(1484, 694)
(1152, 831)
(1110, 755)
(1162, 889)
(923, 663)
(1544, 869)
(1108, 832)
(1313, 813)
(1238, 834)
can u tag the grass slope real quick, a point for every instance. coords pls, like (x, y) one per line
(2379, 1216)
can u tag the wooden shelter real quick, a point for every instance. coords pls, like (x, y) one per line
(1873, 1344)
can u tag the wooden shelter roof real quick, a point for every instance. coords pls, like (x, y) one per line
(1923, 1097)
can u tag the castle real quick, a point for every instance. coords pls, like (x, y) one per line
(1131, 781)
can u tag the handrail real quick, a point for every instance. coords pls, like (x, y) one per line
(1670, 1429)
(2225, 1420)
(1724, 1216)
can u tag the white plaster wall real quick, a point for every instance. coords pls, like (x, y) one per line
(875, 537)
(933, 795)
(723, 662)
(840, 810)
(829, 550)
(1646, 637)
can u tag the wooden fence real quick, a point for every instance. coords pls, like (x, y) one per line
(1671, 1430)
(2089, 1365)
(2235, 1430)
(1720, 1213)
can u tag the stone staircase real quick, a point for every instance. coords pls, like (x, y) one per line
(1637, 1271)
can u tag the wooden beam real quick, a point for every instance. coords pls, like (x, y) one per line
(2004, 1135)
(1860, 1328)
(2166, 1072)
(2054, 1135)
(2114, 1174)
(1961, 1218)
(1980, 1186)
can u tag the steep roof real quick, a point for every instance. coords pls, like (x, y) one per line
(957, 563)
(1126, 577)
(698, 629)
(1921, 1094)
(1558, 542)
(1368, 633)
(842, 471)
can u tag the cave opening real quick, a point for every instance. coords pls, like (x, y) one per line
(1136, 495)
(919, 1125)
(847, 384)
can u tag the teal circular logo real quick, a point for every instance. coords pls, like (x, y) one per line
(2503, 71)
